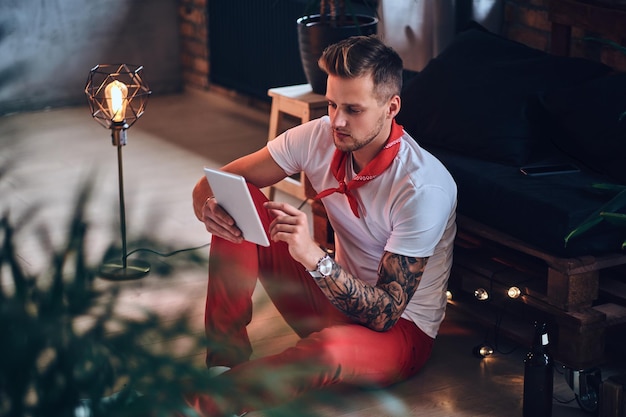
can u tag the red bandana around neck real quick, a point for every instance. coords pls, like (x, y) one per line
(372, 170)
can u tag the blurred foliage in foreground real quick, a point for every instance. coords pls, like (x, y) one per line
(63, 339)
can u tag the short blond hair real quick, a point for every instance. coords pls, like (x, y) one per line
(359, 56)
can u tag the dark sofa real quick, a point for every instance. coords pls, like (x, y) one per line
(487, 106)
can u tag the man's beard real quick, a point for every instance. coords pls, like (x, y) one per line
(359, 144)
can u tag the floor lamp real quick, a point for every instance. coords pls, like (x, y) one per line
(117, 96)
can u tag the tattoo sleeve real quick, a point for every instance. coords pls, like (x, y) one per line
(377, 307)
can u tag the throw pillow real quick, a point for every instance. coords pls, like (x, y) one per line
(472, 97)
(593, 130)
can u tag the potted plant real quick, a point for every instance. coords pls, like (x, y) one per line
(333, 21)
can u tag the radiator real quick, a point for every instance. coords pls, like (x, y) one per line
(253, 44)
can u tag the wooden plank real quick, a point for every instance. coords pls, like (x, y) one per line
(577, 339)
(572, 291)
(613, 287)
(508, 266)
(613, 395)
(575, 265)
(615, 313)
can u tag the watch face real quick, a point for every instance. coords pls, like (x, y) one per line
(325, 266)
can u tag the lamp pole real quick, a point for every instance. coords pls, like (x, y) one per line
(124, 270)
(117, 98)
(118, 135)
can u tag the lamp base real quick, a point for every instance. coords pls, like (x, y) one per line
(115, 271)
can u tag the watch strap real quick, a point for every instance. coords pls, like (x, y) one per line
(316, 273)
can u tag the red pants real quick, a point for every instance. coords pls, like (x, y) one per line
(332, 348)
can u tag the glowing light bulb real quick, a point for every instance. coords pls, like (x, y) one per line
(514, 292)
(481, 294)
(116, 93)
(483, 350)
(449, 295)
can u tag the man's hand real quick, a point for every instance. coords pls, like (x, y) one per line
(218, 222)
(291, 226)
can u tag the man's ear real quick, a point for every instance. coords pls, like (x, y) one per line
(393, 107)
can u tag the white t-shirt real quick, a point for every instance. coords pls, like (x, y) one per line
(409, 210)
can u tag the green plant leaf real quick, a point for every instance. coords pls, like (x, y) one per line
(613, 188)
(607, 42)
(595, 218)
(617, 219)
(582, 228)
(614, 204)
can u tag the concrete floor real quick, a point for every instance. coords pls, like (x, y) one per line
(51, 153)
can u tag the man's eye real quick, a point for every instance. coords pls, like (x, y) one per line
(354, 111)
(333, 105)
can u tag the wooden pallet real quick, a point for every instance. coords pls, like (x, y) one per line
(565, 292)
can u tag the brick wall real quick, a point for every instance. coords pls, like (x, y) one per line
(194, 43)
(525, 21)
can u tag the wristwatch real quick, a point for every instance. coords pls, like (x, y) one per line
(324, 267)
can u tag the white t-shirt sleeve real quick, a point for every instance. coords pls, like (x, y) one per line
(298, 149)
(420, 223)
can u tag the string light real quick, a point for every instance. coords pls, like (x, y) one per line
(514, 292)
(483, 350)
(481, 294)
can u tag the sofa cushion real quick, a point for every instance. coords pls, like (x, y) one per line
(539, 210)
(591, 127)
(472, 97)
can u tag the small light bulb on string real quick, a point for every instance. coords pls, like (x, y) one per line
(483, 350)
(481, 294)
(514, 292)
(449, 295)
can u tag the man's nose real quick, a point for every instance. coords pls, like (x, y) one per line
(338, 119)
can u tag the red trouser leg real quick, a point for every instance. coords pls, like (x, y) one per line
(345, 353)
(233, 271)
(332, 348)
(232, 279)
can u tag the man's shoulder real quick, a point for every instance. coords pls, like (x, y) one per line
(422, 169)
(414, 157)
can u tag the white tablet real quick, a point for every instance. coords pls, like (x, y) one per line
(231, 192)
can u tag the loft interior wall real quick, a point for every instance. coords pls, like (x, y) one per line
(254, 46)
(48, 47)
(420, 29)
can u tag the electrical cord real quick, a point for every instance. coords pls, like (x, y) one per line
(176, 252)
(554, 397)
(167, 255)
(558, 400)
(496, 337)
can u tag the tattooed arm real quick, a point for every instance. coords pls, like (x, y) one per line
(377, 307)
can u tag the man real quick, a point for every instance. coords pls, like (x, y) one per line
(370, 315)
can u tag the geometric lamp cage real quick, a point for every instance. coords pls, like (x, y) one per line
(117, 94)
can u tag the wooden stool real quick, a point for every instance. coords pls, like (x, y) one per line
(302, 103)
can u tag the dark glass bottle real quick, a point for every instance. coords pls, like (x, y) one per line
(538, 376)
